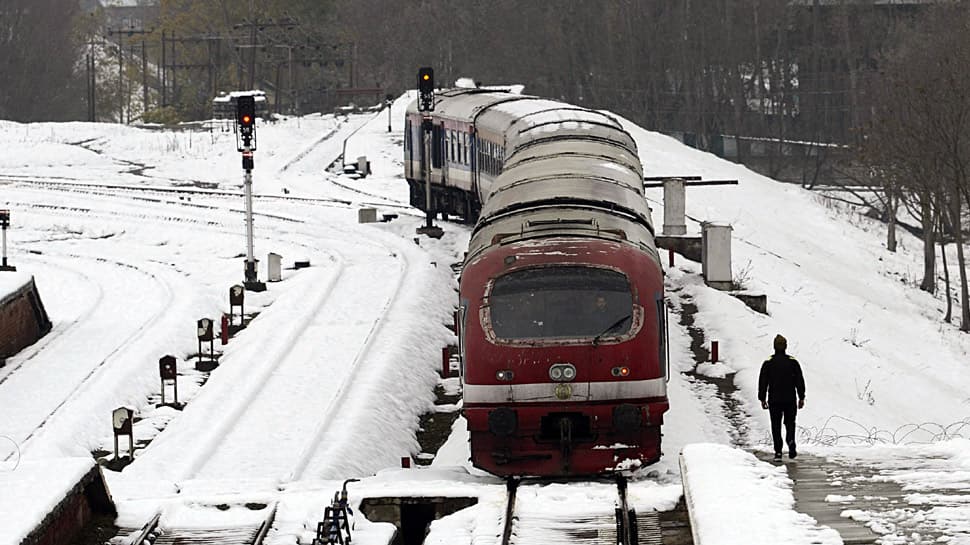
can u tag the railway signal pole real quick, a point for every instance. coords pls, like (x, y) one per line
(426, 105)
(246, 130)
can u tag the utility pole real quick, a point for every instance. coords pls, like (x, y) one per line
(164, 74)
(92, 82)
(255, 24)
(121, 79)
(144, 79)
(121, 65)
(252, 40)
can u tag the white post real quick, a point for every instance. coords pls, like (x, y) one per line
(250, 261)
(674, 208)
(429, 210)
(717, 255)
(4, 262)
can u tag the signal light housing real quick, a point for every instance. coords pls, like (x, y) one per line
(246, 115)
(426, 89)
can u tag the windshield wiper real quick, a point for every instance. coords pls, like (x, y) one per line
(613, 326)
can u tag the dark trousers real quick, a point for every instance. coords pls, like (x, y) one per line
(779, 411)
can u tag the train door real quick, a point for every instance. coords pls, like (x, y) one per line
(460, 325)
(663, 359)
(408, 149)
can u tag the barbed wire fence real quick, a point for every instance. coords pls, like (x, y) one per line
(832, 434)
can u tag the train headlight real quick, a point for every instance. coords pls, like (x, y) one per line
(502, 422)
(620, 371)
(562, 372)
(505, 375)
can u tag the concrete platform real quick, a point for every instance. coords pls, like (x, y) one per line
(47, 502)
(23, 318)
(816, 478)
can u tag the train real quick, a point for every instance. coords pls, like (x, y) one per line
(562, 318)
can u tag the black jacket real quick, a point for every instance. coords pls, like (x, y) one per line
(781, 377)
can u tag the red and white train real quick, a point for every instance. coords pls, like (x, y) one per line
(562, 312)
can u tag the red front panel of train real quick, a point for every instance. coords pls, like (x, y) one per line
(563, 369)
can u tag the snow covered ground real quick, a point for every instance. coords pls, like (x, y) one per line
(328, 382)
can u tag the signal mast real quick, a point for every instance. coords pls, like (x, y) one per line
(246, 143)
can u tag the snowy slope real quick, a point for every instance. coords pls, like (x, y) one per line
(329, 381)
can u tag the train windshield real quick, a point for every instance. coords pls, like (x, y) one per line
(561, 302)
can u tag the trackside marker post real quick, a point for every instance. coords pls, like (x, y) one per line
(4, 225)
(713, 351)
(445, 362)
(205, 334)
(237, 298)
(168, 371)
(224, 333)
(121, 421)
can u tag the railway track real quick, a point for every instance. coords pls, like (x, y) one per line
(45, 405)
(549, 513)
(246, 534)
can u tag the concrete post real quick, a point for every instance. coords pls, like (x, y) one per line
(674, 208)
(716, 255)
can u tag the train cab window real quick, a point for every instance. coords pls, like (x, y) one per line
(561, 302)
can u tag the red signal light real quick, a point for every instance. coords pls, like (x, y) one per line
(247, 120)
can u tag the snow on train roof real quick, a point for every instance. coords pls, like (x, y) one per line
(464, 103)
(551, 110)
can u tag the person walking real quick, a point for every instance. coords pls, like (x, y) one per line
(781, 379)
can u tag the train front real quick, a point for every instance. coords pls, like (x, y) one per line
(564, 356)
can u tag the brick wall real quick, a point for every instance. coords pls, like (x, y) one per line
(69, 517)
(23, 320)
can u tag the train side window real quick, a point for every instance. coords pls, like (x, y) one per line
(407, 139)
(480, 156)
(436, 145)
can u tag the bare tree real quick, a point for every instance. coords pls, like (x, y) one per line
(919, 132)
